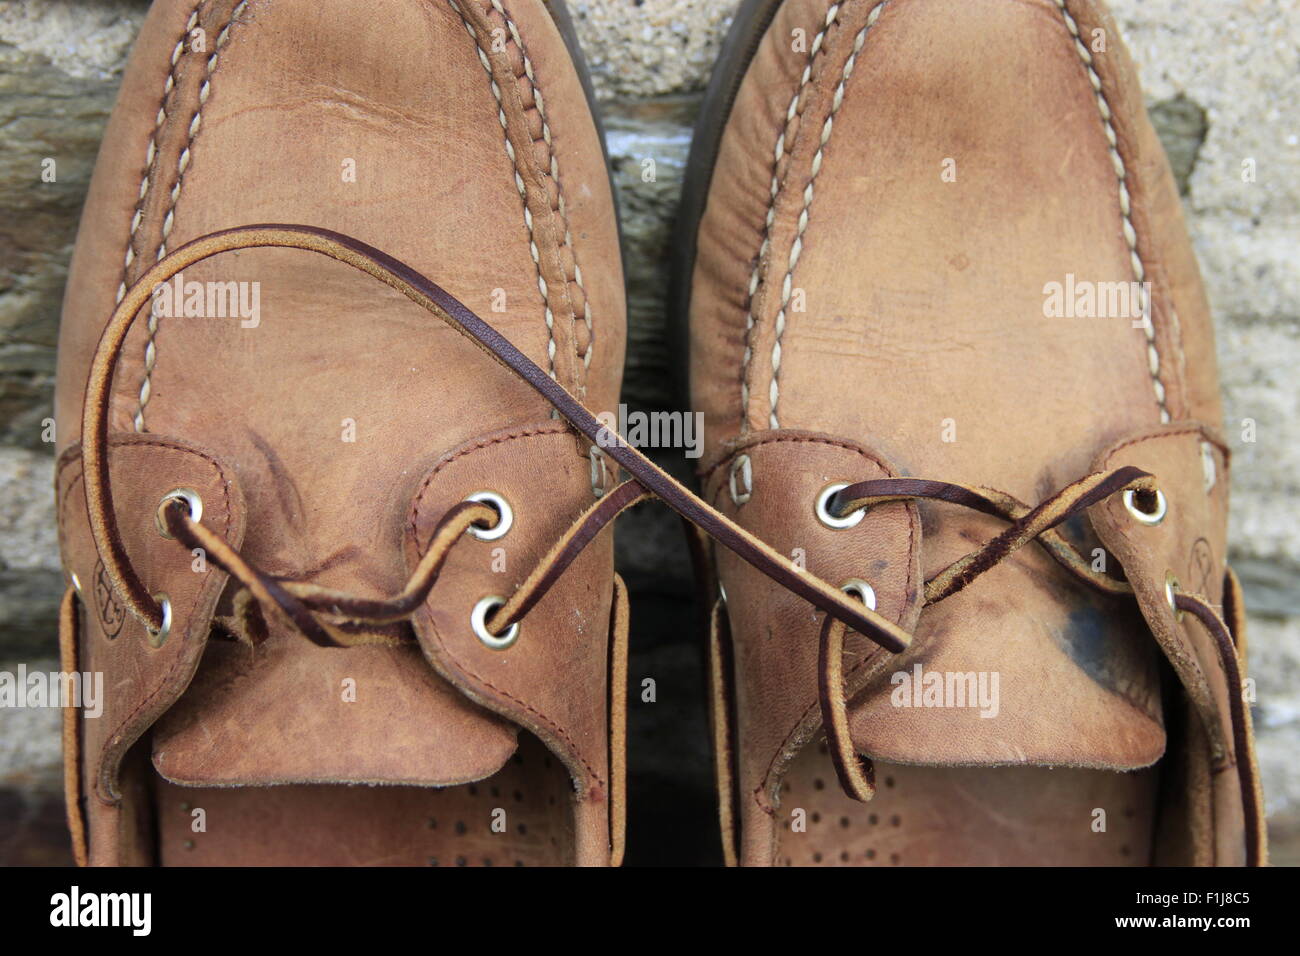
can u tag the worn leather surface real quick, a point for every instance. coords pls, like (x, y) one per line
(376, 826)
(964, 816)
(260, 719)
(477, 164)
(553, 679)
(142, 681)
(775, 653)
(1189, 546)
(844, 286)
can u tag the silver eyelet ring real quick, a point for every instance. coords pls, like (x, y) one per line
(159, 637)
(822, 508)
(861, 590)
(192, 501)
(742, 467)
(76, 581)
(505, 516)
(1171, 590)
(478, 621)
(1146, 517)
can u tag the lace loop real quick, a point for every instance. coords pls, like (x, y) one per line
(305, 604)
(855, 772)
(298, 601)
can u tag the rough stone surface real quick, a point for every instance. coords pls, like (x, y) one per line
(652, 48)
(648, 144)
(59, 68)
(32, 827)
(30, 581)
(1222, 79)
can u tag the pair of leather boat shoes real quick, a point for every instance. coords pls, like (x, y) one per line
(333, 494)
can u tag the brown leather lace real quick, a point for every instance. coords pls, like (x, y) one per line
(855, 772)
(306, 604)
(318, 612)
(303, 604)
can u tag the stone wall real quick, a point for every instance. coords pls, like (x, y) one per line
(1222, 79)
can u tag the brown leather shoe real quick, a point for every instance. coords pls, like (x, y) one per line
(932, 249)
(372, 553)
(285, 443)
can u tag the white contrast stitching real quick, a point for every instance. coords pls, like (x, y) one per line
(797, 247)
(519, 185)
(1130, 234)
(138, 217)
(792, 112)
(182, 164)
(555, 176)
(519, 182)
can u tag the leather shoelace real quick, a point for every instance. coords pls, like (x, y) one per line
(306, 604)
(303, 604)
(316, 611)
(1038, 524)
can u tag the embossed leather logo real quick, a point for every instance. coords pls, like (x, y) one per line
(111, 612)
(1200, 567)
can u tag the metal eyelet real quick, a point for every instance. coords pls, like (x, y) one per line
(861, 590)
(478, 621)
(159, 637)
(505, 516)
(76, 582)
(743, 468)
(822, 509)
(192, 501)
(1146, 517)
(1171, 591)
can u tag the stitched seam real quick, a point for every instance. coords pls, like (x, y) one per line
(132, 442)
(774, 392)
(151, 346)
(870, 657)
(1125, 207)
(152, 150)
(793, 112)
(516, 163)
(138, 216)
(532, 432)
(559, 731)
(833, 442)
(912, 523)
(1172, 433)
(555, 176)
(547, 721)
(226, 510)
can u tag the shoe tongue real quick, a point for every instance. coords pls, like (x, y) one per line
(289, 711)
(292, 712)
(1024, 666)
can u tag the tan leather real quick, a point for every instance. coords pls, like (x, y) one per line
(845, 285)
(145, 680)
(547, 690)
(943, 816)
(477, 161)
(777, 690)
(69, 629)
